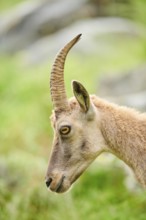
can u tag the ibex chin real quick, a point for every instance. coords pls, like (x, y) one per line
(85, 126)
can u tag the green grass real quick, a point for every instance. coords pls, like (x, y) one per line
(4, 5)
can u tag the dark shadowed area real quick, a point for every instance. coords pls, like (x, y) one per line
(110, 60)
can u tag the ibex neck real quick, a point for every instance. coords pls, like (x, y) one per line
(124, 131)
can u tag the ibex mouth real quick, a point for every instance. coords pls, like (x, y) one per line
(59, 185)
(55, 187)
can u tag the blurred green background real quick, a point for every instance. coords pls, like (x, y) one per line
(26, 134)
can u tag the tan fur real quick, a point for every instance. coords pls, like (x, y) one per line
(124, 130)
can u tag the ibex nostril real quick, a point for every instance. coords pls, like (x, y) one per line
(48, 182)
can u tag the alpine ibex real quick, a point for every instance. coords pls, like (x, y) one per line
(85, 126)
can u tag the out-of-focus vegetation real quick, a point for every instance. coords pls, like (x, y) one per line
(4, 5)
(26, 136)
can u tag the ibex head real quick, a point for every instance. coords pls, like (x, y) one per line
(76, 144)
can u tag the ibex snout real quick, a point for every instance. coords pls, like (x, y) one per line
(57, 182)
(54, 185)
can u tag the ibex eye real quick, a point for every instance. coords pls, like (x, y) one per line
(65, 129)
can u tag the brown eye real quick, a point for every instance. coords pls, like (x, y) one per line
(65, 130)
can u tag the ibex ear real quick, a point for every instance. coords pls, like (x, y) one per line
(81, 95)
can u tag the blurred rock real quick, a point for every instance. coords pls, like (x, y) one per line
(127, 88)
(91, 29)
(32, 20)
(136, 100)
(132, 81)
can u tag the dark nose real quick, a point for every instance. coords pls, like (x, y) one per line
(48, 182)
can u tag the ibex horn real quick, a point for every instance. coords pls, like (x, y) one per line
(57, 87)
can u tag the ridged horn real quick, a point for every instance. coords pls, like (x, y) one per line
(57, 86)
